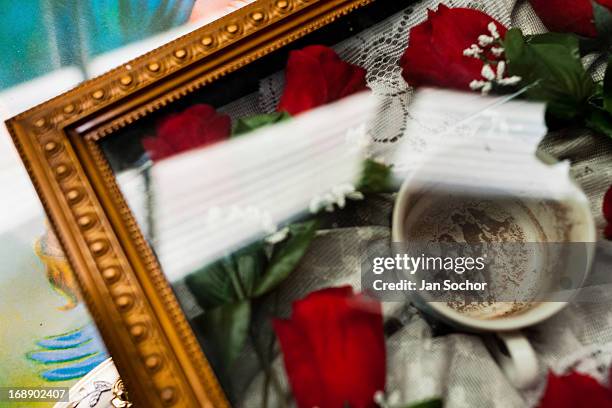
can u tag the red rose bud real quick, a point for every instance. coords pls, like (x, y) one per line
(569, 16)
(316, 75)
(197, 126)
(575, 390)
(449, 50)
(334, 349)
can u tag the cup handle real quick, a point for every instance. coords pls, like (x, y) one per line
(519, 361)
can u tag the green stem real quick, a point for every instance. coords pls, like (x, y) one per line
(268, 369)
(264, 394)
(237, 283)
(270, 351)
(238, 287)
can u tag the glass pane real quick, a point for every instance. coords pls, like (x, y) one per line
(232, 184)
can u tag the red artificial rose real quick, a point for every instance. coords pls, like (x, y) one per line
(573, 16)
(607, 212)
(316, 75)
(435, 53)
(197, 126)
(334, 349)
(575, 390)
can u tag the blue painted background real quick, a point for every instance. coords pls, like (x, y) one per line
(38, 36)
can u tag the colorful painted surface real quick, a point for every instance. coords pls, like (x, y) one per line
(39, 36)
(47, 337)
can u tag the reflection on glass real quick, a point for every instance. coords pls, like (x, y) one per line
(251, 203)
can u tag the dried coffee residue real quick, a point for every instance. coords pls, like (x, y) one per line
(446, 218)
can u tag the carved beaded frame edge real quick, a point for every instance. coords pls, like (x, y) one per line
(142, 324)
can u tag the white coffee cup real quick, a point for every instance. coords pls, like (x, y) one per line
(518, 360)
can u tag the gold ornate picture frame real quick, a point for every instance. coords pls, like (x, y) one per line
(146, 332)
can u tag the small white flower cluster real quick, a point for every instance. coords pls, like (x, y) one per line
(278, 236)
(491, 76)
(358, 137)
(387, 401)
(336, 197)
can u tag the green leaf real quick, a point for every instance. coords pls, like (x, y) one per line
(607, 88)
(514, 44)
(603, 22)
(228, 280)
(250, 263)
(430, 403)
(570, 41)
(551, 64)
(227, 327)
(246, 125)
(286, 256)
(212, 285)
(375, 177)
(600, 121)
